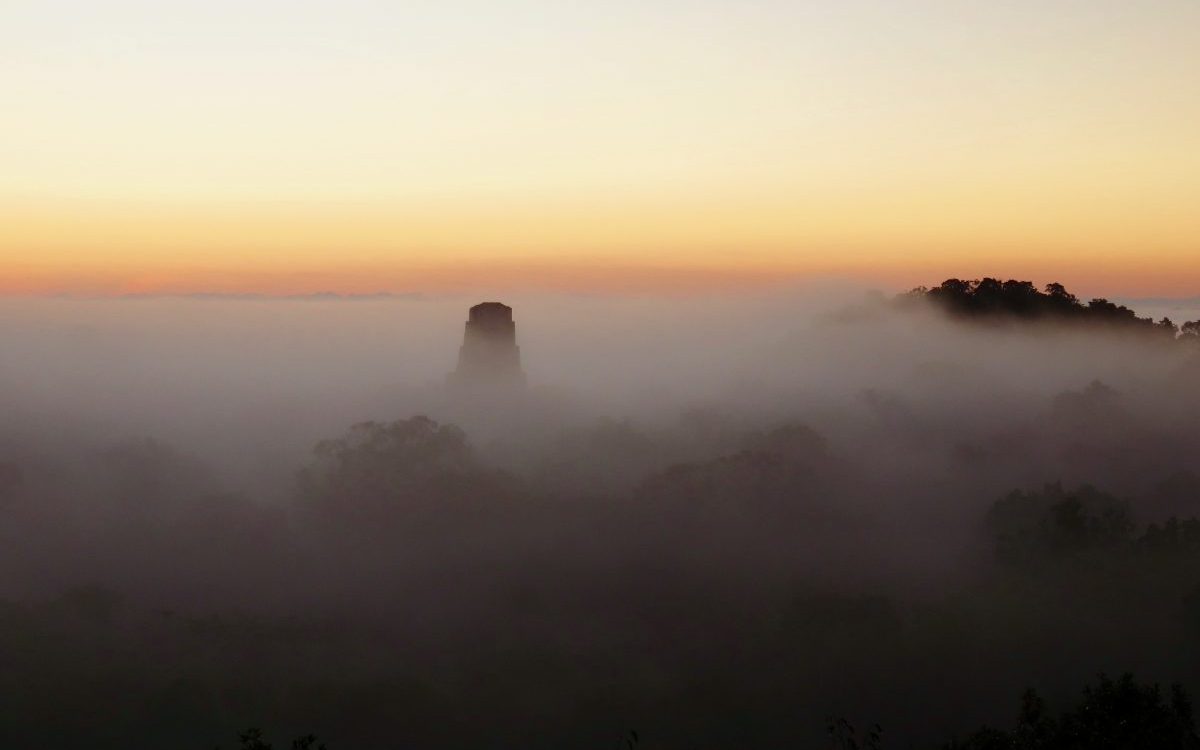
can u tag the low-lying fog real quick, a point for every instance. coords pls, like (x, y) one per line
(716, 520)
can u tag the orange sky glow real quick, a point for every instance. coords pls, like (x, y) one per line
(358, 147)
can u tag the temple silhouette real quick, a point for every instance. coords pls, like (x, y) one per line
(489, 355)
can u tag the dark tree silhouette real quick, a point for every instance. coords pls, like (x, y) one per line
(1028, 528)
(382, 473)
(992, 299)
(1119, 714)
(775, 470)
(844, 736)
(252, 739)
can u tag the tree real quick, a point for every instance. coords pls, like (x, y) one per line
(1119, 714)
(990, 298)
(1030, 528)
(1060, 299)
(379, 474)
(252, 739)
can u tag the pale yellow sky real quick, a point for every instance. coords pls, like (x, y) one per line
(363, 145)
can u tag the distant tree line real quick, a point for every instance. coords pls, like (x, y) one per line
(1034, 528)
(990, 298)
(1121, 714)
(252, 739)
(1118, 714)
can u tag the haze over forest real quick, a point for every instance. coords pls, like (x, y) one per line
(535, 374)
(714, 520)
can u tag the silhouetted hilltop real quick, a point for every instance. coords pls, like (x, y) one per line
(993, 299)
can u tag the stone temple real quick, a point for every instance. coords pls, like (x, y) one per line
(489, 355)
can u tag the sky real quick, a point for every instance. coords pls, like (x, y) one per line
(370, 145)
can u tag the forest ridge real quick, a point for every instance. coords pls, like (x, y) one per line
(991, 299)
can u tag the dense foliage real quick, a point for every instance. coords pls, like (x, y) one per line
(992, 511)
(993, 299)
(1117, 714)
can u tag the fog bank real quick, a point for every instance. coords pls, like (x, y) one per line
(717, 519)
